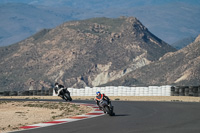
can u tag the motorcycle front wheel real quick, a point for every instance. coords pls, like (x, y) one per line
(67, 97)
(107, 110)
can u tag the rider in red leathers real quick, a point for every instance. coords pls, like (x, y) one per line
(99, 97)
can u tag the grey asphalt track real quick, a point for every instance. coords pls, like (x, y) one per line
(136, 117)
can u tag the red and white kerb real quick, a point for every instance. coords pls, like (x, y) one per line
(94, 113)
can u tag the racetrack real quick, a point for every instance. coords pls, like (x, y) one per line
(135, 117)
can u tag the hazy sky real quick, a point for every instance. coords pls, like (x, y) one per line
(170, 20)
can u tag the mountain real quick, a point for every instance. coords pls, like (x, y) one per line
(183, 42)
(170, 20)
(80, 53)
(174, 68)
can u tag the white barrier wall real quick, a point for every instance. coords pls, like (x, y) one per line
(122, 91)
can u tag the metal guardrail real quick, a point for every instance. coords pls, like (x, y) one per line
(185, 91)
(28, 93)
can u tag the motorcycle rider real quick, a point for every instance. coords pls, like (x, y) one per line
(99, 97)
(58, 87)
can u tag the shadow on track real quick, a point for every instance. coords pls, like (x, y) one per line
(117, 115)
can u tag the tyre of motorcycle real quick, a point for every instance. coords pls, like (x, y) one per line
(108, 111)
(70, 98)
(67, 97)
(112, 113)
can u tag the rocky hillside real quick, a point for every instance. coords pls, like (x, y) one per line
(175, 68)
(80, 53)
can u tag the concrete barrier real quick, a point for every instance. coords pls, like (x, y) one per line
(165, 90)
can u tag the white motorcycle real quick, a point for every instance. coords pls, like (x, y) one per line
(64, 94)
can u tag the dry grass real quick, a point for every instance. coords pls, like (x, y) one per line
(16, 114)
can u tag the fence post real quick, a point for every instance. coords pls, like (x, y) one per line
(191, 93)
(176, 92)
(181, 91)
(172, 90)
(186, 91)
